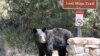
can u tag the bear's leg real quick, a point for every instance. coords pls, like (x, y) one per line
(49, 53)
(62, 52)
(49, 49)
(41, 52)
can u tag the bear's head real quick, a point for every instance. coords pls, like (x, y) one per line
(39, 35)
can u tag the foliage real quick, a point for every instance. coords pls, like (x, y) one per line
(92, 23)
(17, 39)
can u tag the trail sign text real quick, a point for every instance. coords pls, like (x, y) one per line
(79, 4)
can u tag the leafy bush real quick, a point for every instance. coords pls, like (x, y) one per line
(17, 39)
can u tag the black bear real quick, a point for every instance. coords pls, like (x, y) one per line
(48, 40)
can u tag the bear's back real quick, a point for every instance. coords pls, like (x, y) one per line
(59, 36)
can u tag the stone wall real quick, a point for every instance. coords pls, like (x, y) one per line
(83, 46)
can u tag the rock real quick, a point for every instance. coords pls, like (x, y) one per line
(77, 49)
(87, 50)
(97, 52)
(69, 50)
(93, 41)
(77, 41)
(70, 55)
(92, 46)
(82, 54)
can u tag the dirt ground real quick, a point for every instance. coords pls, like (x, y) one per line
(55, 53)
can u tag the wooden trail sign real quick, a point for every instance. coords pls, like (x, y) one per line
(79, 4)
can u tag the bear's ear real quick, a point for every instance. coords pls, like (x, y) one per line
(34, 30)
(44, 29)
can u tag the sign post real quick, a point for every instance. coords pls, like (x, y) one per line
(79, 22)
(79, 33)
